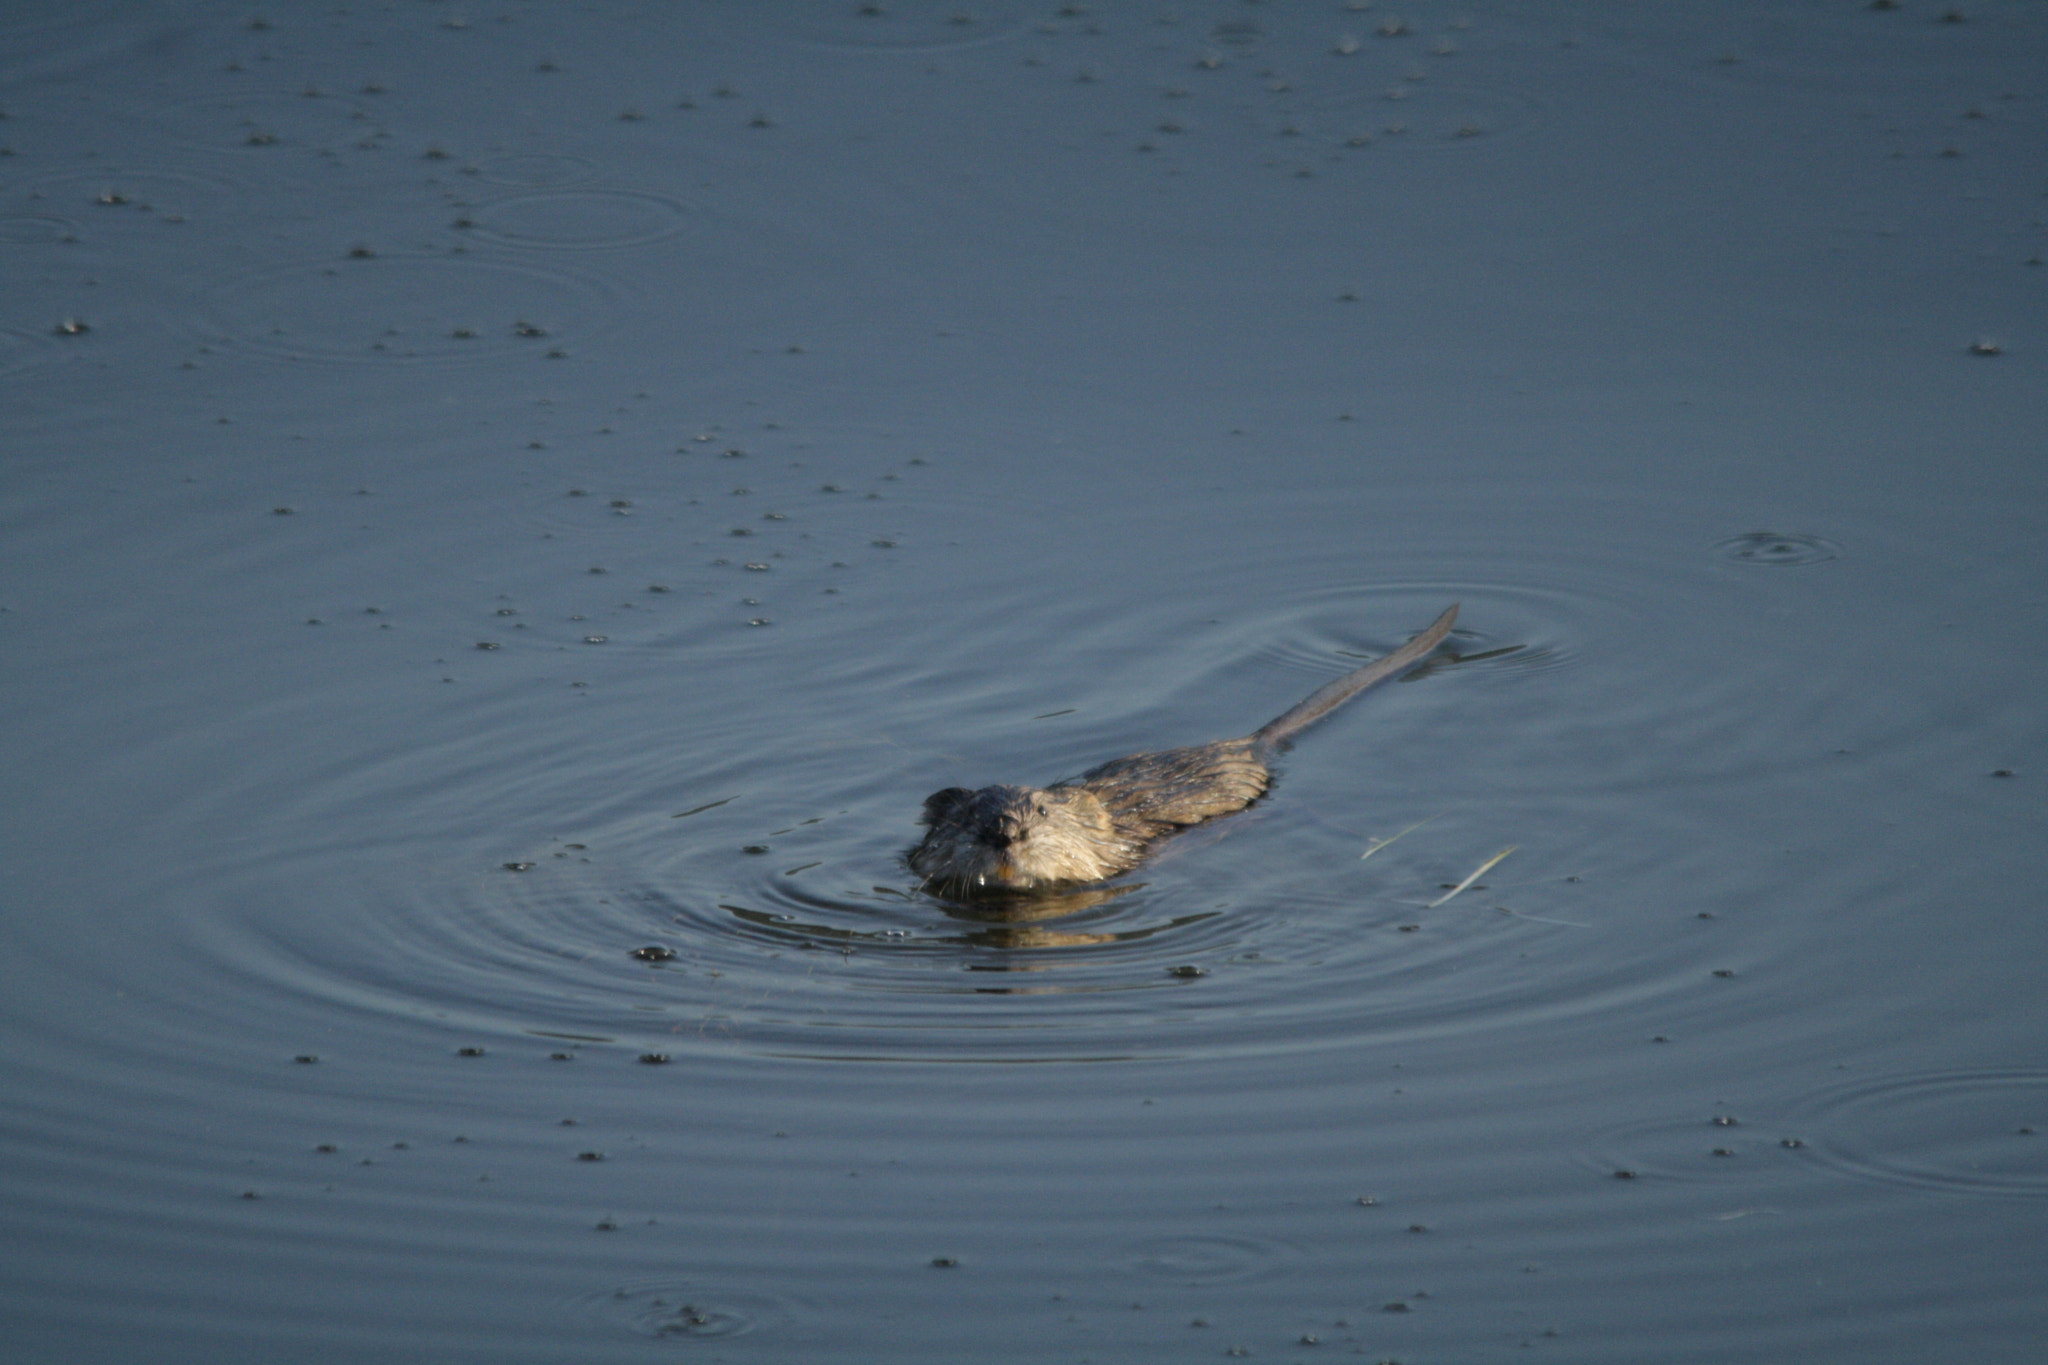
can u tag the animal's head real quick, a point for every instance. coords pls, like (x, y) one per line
(1005, 838)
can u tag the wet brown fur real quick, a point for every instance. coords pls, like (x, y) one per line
(1100, 824)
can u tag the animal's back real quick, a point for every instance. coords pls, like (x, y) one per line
(1177, 787)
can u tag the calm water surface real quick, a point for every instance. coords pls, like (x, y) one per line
(508, 513)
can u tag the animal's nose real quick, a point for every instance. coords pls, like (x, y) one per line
(995, 836)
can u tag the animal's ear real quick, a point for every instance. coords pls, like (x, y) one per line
(940, 805)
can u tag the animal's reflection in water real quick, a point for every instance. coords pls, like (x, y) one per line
(1020, 921)
(993, 921)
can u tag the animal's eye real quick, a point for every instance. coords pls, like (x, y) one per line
(1041, 810)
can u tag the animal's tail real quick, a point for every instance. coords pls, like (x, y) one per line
(1328, 698)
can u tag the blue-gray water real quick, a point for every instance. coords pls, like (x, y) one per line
(489, 491)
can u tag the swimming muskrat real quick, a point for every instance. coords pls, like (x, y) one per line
(1092, 827)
